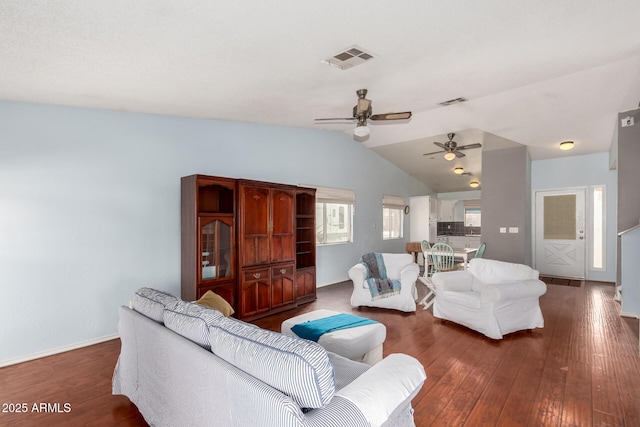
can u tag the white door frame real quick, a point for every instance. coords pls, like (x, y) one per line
(587, 220)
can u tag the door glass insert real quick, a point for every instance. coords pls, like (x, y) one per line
(216, 250)
(560, 217)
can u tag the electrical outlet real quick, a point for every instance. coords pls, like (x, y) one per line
(503, 230)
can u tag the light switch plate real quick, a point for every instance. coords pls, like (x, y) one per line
(503, 230)
(513, 230)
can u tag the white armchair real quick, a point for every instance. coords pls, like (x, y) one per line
(492, 297)
(398, 266)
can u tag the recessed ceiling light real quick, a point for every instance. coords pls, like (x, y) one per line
(474, 184)
(566, 145)
(458, 170)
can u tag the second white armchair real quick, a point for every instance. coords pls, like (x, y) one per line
(492, 297)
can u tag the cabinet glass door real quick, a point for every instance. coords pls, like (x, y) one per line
(216, 237)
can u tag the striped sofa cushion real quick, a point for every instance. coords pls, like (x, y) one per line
(192, 321)
(152, 303)
(299, 368)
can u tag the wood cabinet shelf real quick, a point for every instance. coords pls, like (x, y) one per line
(215, 215)
(251, 242)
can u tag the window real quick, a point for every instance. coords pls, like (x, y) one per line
(392, 217)
(334, 215)
(472, 217)
(472, 213)
(598, 230)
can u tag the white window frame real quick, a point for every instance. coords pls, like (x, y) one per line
(598, 228)
(334, 204)
(392, 208)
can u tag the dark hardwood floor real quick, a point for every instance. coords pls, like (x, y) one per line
(582, 369)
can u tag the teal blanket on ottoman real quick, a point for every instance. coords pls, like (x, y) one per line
(313, 329)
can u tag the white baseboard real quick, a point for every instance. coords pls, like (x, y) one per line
(58, 350)
(631, 315)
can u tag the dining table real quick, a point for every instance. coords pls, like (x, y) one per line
(464, 254)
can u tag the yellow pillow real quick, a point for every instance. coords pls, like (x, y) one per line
(215, 301)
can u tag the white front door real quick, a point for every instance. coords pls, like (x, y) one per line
(560, 233)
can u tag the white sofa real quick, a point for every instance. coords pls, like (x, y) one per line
(492, 297)
(398, 266)
(183, 364)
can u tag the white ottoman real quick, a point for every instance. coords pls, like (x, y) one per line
(362, 343)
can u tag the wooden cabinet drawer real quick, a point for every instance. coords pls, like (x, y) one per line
(284, 270)
(258, 274)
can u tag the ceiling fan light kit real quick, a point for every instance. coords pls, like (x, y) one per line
(566, 145)
(449, 156)
(361, 131)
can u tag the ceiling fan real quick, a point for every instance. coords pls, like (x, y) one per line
(362, 112)
(451, 149)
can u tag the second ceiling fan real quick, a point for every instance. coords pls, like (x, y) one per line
(451, 148)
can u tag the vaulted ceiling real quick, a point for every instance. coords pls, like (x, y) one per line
(534, 73)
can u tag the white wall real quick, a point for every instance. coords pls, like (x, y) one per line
(90, 208)
(581, 171)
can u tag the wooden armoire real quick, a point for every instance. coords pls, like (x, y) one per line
(251, 242)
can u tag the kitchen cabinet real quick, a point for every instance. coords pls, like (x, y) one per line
(445, 210)
(458, 211)
(422, 218)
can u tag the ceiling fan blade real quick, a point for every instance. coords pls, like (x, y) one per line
(392, 116)
(336, 118)
(458, 154)
(435, 152)
(441, 145)
(466, 147)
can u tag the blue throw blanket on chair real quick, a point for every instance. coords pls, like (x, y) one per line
(379, 284)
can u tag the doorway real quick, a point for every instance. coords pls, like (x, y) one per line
(560, 233)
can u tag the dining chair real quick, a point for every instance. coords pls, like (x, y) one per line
(480, 251)
(442, 256)
(478, 254)
(426, 253)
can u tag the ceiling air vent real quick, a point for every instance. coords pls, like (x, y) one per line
(349, 58)
(454, 101)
